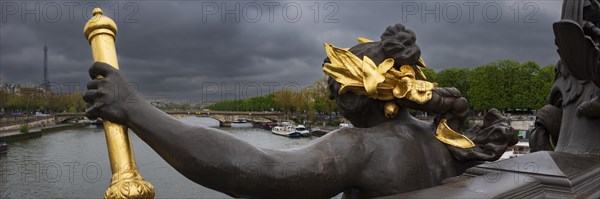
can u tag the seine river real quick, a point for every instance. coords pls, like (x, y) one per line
(74, 164)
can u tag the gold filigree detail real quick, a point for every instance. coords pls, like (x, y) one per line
(421, 63)
(386, 83)
(383, 82)
(129, 184)
(391, 109)
(445, 134)
(363, 40)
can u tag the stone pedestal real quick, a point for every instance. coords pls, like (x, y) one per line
(543, 174)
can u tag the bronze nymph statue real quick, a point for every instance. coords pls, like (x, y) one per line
(389, 151)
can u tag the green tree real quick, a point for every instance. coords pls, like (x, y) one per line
(524, 94)
(430, 74)
(506, 84)
(483, 91)
(322, 101)
(285, 99)
(454, 77)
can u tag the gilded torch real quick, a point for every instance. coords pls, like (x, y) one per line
(126, 180)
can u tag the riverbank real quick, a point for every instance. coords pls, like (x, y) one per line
(15, 135)
(14, 123)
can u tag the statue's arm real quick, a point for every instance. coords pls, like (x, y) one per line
(218, 160)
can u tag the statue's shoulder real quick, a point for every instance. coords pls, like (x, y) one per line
(344, 132)
(384, 129)
(352, 134)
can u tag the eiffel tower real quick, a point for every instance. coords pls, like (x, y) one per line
(46, 82)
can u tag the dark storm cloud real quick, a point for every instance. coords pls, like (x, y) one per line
(178, 50)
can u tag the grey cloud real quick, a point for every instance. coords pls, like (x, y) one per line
(170, 51)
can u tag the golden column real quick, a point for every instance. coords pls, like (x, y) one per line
(126, 182)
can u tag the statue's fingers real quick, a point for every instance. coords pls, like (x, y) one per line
(447, 91)
(90, 96)
(93, 112)
(100, 68)
(94, 84)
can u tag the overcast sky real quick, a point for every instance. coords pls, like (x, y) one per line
(184, 49)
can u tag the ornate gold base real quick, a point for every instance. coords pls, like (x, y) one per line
(129, 184)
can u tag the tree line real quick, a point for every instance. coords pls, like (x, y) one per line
(503, 84)
(308, 101)
(31, 99)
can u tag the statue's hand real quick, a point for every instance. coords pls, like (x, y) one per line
(491, 139)
(111, 96)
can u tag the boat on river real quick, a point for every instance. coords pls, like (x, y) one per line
(241, 120)
(264, 125)
(288, 130)
(304, 132)
(3, 146)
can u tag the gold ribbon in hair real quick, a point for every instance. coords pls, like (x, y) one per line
(383, 82)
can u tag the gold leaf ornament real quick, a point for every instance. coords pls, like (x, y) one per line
(382, 82)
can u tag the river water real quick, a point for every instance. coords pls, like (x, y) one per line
(74, 164)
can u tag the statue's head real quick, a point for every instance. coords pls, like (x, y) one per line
(397, 43)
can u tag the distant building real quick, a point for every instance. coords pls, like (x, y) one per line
(11, 88)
